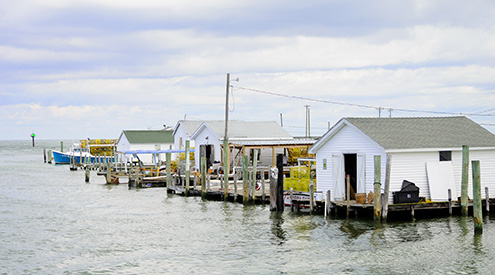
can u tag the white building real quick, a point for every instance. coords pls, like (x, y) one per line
(131, 140)
(183, 131)
(425, 151)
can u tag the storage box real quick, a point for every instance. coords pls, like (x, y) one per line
(406, 196)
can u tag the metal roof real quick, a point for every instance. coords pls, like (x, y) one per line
(149, 136)
(252, 130)
(424, 132)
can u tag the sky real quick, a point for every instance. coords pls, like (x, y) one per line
(77, 69)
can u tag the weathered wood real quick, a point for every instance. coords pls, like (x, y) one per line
(292, 199)
(487, 197)
(168, 164)
(386, 198)
(465, 180)
(450, 202)
(280, 183)
(61, 147)
(245, 178)
(311, 197)
(86, 178)
(226, 165)
(273, 188)
(377, 204)
(108, 175)
(327, 203)
(203, 177)
(255, 165)
(236, 177)
(263, 196)
(188, 172)
(44, 154)
(477, 206)
(348, 192)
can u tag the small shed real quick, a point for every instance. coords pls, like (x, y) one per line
(131, 140)
(183, 131)
(424, 150)
(209, 140)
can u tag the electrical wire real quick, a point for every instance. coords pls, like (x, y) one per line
(361, 105)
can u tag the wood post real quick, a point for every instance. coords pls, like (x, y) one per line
(348, 192)
(263, 186)
(292, 199)
(109, 176)
(311, 196)
(387, 187)
(255, 164)
(188, 172)
(236, 176)
(327, 203)
(280, 183)
(273, 188)
(377, 204)
(44, 154)
(450, 202)
(86, 178)
(465, 180)
(226, 164)
(61, 147)
(168, 163)
(203, 177)
(487, 196)
(245, 179)
(477, 208)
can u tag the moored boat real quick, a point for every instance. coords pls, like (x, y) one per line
(80, 155)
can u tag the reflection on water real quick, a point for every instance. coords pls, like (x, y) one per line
(52, 223)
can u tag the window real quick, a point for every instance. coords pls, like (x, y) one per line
(445, 155)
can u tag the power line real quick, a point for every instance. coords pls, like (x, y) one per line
(361, 105)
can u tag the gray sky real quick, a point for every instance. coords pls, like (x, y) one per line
(91, 68)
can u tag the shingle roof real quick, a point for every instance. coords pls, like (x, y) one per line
(424, 132)
(189, 126)
(149, 136)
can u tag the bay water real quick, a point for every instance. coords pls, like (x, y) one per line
(53, 222)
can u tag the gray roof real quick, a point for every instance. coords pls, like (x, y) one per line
(424, 132)
(249, 130)
(149, 136)
(189, 126)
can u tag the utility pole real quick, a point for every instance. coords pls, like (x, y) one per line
(308, 121)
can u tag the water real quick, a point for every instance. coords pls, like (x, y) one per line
(52, 222)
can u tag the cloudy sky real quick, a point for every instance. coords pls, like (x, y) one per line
(74, 69)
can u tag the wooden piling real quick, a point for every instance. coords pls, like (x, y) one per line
(280, 183)
(44, 154)
(388, 168)
(450, 202)
(327, 203)
(263, 197)
(245, 179)
(87, 174)
(236, 176)
(109, 173)
(311, 197)
(477, 206)
(377, 206)
(226, 165)
(188, 172)
(291, 194)
(348, 192)
(273, 188)
(487, 196)
(465, 180)
(203, 177)
(255, 168)
(61, 147)
(168, 165)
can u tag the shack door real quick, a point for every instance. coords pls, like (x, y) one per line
(208, 152)
(338, 176)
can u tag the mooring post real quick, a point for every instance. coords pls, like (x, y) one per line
(465, 180)
(327, 203)
(44, 154)
(291, 194)
(203, 177)
(61, 147)
(280, 183)
(263, 186)
(377, 207)
(255, 168)
(50, 156)
(226, 165)
(477, 208)
(348, 191)
(487, 196)
(387, 187)
(236, 176)
(273, 188)
(87, 174)
(245, 178)
(250, 185)
(168, 165)
(450, 202)
(108, 175)
(311, 196)
(188, 172)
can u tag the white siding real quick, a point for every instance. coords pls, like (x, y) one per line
(348, 140)
(487, 166)
(212, 140)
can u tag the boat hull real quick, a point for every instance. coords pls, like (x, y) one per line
(64, 158)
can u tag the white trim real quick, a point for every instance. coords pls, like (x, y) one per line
(420, 150)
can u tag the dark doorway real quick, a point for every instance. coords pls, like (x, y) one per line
(208, 152)
(350, 166)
